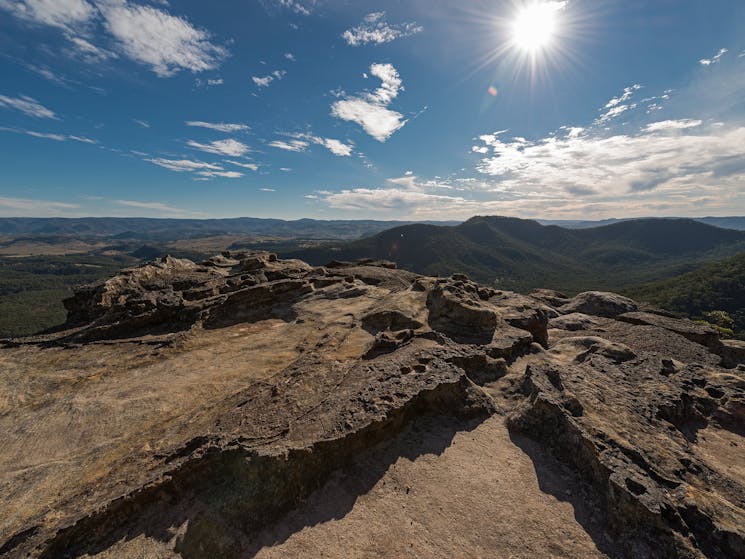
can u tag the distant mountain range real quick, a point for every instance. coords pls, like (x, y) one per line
(733, 222)
(163, 229)
(156, 229)
(522, 254)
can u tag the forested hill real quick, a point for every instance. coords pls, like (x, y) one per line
(719, 286)
(523, 254)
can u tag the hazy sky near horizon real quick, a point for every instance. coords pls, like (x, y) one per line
(408, 109)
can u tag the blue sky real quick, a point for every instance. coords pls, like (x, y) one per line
(419, 109)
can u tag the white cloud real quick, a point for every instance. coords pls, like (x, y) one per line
(371, 110)
(291, 57)
(674, 158)
(46, 135)
(617, 105)
(143, 123)
(251, 166)
(669, 125)
(292, 145)
(64, 14)
(82, 139)
(182, 165)
(220, 174)
(375, 29)
(267, 190)
(216, 81)
(714, 59)
(160, 40)
(335, 146)
(229, 147)
(398, 201)
(219, 126)
(146, 34)
(27, 105)
(265, 81)
(200, 169)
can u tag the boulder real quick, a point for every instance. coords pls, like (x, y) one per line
(599, 303)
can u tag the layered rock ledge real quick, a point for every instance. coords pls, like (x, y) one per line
(195, 405)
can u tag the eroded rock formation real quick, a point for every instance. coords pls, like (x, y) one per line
(193, 405)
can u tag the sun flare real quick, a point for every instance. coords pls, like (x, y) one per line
(535, 26)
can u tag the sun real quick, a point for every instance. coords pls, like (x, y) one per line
(535, 26)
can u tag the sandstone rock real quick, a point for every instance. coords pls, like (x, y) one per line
(550, 297)
(193, 405)
(733, 353)
(599, 303)
(696, 332)
(455, 309)
(580, 348)
(573, 322)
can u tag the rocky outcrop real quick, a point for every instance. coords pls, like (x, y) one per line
(732, 352)
(193, 405)
(599, 303)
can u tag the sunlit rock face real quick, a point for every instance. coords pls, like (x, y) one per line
(204, 409)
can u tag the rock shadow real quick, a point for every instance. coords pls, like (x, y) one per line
(428, 435)
(557, 480)
(223, 504)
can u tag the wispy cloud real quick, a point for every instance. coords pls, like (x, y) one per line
(671, 125)
(292, 145)
(48, 74)
(300, 7)
(714, 59)
(618, 105)
(49, 135)
(337, 147)
(375, 29)
(143, 123)
(219, 126)
(221, 174)
(267, 190)
(85, 50)
(157, 207)
(265, 81)
(201, 170)
(229, 147)
(65, 14)
(251, 166)
(289, 56)
(371, 109)
(184, 165)
(26, 207)
(27, 105)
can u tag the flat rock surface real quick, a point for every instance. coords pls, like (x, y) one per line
(250, 406)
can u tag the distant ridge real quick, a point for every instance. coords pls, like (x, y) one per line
(166, 229)
(523, 254)
(731, 222)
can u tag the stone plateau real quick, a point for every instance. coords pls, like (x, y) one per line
(249, 406)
